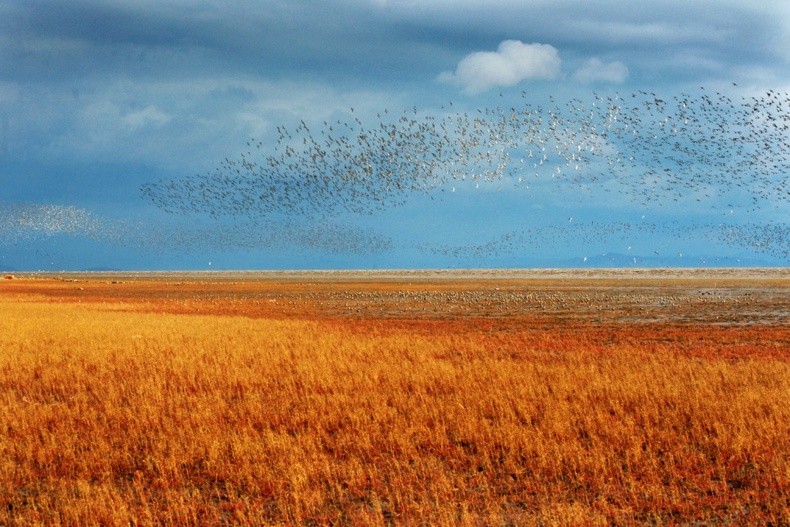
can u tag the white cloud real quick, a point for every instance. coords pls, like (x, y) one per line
(511, 63)
(187, 125)
(150, 115)
(594, 70)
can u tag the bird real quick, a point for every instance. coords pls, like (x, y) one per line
(693, 149)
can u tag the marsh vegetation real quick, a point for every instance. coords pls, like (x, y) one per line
(315, 400)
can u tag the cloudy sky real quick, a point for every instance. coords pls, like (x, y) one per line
(104, 105)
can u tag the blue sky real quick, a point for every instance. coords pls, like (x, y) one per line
(101, 100)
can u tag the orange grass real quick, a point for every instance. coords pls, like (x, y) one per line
(129, 406)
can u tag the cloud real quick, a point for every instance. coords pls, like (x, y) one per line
(151, 115)
(511, 63)
(594, 70)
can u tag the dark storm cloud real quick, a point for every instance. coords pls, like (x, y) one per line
(355, 40)
(263, 39)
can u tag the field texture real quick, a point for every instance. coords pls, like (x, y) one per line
(407, 399)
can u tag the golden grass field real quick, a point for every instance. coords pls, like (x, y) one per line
(396, 399)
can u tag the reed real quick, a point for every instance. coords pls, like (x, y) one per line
(129, 414)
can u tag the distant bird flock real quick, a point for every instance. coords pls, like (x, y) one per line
(27, 222)
(707, 147)
(658, 149)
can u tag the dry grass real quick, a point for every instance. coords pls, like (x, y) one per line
(151, 403)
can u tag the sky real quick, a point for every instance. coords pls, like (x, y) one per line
(174, 134)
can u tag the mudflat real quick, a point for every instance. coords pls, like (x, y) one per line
(720, 296)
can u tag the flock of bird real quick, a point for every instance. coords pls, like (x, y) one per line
(771, 239)
(656, 149)
(708, 149)
(23, 223)
(327, 237)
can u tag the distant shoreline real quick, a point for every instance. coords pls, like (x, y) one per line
(424, 274)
